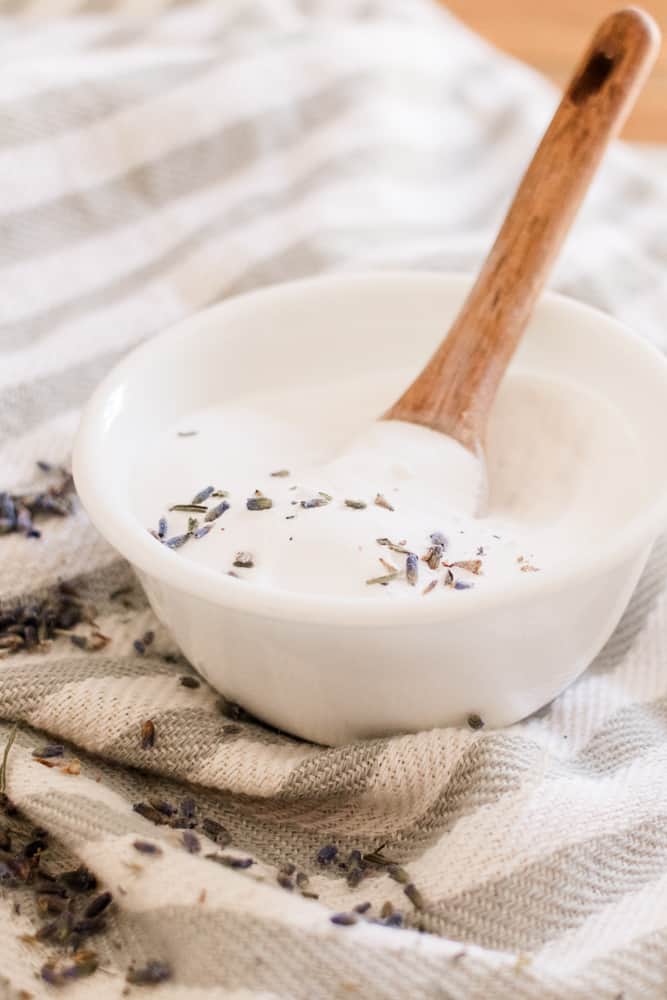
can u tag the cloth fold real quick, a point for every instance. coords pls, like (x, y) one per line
(154, 159)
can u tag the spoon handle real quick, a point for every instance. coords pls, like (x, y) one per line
(455, 390)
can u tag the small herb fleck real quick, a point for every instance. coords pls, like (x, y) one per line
(259, 503)
(186, 434)
(356, 504)
(280, 473)
(381, 501)
(189, 508)
(5, 758)
(244, 560)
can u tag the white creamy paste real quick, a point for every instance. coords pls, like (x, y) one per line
(555, 455)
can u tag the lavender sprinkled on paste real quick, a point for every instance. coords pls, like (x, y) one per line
(217, 511)
(411, 568)
(203, 495)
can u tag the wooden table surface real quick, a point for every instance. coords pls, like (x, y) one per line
(551, 34)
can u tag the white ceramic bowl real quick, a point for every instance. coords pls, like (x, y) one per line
(333, 669)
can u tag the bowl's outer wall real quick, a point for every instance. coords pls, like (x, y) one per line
(334, 684)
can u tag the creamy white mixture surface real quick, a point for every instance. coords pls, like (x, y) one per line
(302, 491)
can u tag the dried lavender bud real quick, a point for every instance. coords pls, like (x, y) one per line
(139, 647)
(176, 541)
(480, 551)
(147, 734)
(191, 842)
(79, 880)
(203, 531)
(285, 881)
(50, 974)
(79, 640)
(44, 466)
(281, 473)
(217, 511)
(150, 974)
(344, 919)
(146, 847)
(394, 919)
(150, 812)
(437, 538)
(98, 905)
(50, 750)
(203, 495)
(448, 578)
(356, 504)
(412, 568)
(475, 721)
(259, 503)
(162, 528)
(327, 854)
(460, 585)
(166, 808)
(302, 880)
(355, 877)
(189, 682)
(362, 907)
(187, 808)
(381, 501)
(415, 896)
(244, 560)
(216, 831)
(85, 964)
(315, 502)
(35, 848)
(398, 874)
(229, 861)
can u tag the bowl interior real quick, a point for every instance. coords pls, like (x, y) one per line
(297, 335)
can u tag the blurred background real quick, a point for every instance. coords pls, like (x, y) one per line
(547, 34)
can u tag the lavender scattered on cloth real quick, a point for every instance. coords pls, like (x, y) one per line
(535, 856)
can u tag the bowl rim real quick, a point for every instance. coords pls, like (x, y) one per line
(123, 531)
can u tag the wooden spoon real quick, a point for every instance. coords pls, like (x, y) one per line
(455, 391)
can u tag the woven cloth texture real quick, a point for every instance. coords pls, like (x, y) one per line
(156, 158)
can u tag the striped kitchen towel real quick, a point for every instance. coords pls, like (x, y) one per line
(156, 157)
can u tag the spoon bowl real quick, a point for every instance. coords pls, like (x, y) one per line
(334, 669)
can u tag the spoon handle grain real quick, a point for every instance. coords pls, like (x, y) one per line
(454, 392)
